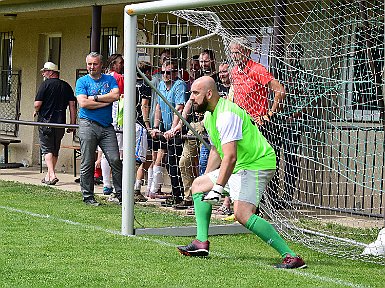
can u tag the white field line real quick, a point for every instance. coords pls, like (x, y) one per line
(163, 243)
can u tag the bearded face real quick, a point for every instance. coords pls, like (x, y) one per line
(201, 107)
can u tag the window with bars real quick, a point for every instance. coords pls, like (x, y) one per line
(6, 44)
(108, 41)
(172, 31)
(367, 71)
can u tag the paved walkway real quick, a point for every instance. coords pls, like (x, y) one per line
(32, 175)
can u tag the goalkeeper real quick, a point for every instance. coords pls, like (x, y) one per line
(241, 163)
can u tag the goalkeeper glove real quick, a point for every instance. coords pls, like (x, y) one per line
(214, 196)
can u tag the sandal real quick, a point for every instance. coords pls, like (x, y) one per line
(50, 182)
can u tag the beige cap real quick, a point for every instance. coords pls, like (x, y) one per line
(50, 66)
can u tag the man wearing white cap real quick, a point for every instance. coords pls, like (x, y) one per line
(51, 103)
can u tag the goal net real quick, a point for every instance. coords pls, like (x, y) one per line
(329, 137)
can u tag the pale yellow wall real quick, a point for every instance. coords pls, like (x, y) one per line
(28, 59)
(75, 45)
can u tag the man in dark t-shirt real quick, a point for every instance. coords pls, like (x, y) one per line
(51, 102)
(143, 97)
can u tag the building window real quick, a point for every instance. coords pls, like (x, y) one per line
(173, 33)
(108, 41)
(367, 90)
(6, 44)
(358, 60)
(54, 49)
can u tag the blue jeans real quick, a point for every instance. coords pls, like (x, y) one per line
(203, 158)
(91, 135)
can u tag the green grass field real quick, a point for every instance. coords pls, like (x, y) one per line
(49, 238)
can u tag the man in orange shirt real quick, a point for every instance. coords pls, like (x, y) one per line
(251, 83)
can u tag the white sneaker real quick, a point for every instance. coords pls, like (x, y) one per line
(212, 197)
(114, 199)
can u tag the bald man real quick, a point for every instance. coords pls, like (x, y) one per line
(240, 165)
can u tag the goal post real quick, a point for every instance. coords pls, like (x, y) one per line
(130, 25)
(329, 55)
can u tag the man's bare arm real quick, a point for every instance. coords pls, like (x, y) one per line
(146, 112)
(102, 100)
(72, 107)
(37, 105)
(279, 95)
(185, 112)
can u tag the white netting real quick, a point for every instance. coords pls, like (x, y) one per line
(329, 55)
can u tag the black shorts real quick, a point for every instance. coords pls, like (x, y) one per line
(50, 140)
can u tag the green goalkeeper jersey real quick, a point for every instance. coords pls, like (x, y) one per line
(227, 123)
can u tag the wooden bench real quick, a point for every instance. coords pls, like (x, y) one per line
(5, 142)
(76, 151)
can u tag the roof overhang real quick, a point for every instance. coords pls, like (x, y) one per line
(24, 6)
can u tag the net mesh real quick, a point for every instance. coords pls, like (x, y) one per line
(329, 55)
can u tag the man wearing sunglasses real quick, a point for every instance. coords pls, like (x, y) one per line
(173, 89)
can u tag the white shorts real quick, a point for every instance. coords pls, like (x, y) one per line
(246, 185)
(141, 144)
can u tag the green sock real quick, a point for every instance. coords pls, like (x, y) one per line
(267, 233)
(202, 216)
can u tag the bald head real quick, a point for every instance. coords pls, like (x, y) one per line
(206, 82)
(204, 94)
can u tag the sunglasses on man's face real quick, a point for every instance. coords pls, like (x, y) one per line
(169, 72)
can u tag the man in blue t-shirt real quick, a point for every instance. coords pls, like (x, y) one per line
(95, 93)
(173, 89)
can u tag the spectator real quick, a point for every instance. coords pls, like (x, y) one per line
(224, 84)
(189, 160)
(293, 120)
(143, 103)
(173, 89)
(51, 101)
(95, 94)
(223, 90)
(114, 67)
(154, 143)
(195, 72)
(251, 83)
(163, 56)
(207, 63)
(240, 165)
